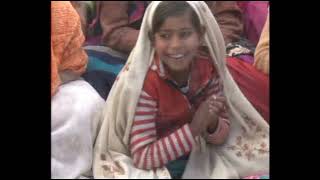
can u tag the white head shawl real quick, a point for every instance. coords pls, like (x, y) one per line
(246, 150)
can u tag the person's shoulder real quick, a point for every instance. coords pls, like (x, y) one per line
(152, 74)
(151, 81)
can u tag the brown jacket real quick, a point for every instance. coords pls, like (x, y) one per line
(118, 35)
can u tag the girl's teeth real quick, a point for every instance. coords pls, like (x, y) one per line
(177, 56)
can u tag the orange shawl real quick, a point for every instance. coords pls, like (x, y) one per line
(66, 42)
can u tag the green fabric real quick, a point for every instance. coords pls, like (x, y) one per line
(177, 167)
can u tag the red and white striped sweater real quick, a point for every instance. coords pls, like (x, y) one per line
(148, 151)
(151, 151)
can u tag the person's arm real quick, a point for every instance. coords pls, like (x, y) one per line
(261, 56)
(147, 151)
(229, 17)
(114, 20)
(221, 131)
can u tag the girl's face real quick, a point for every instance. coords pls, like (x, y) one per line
(177, 42)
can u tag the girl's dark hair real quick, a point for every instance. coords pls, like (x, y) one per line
(172, 8)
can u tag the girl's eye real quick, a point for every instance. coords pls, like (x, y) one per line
(164, 36)
(185, 34)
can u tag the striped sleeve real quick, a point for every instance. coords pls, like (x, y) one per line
(147, 151)
(222, 130)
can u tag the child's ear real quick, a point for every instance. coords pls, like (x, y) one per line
(203, 31)
(151, 37)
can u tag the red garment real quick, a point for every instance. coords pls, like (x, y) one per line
(160, 131)
(253, 84)
(174, 105)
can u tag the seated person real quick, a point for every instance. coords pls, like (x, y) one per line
(173, 112)
(75, 105)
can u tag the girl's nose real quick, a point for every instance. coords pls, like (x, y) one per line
(175, 42)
